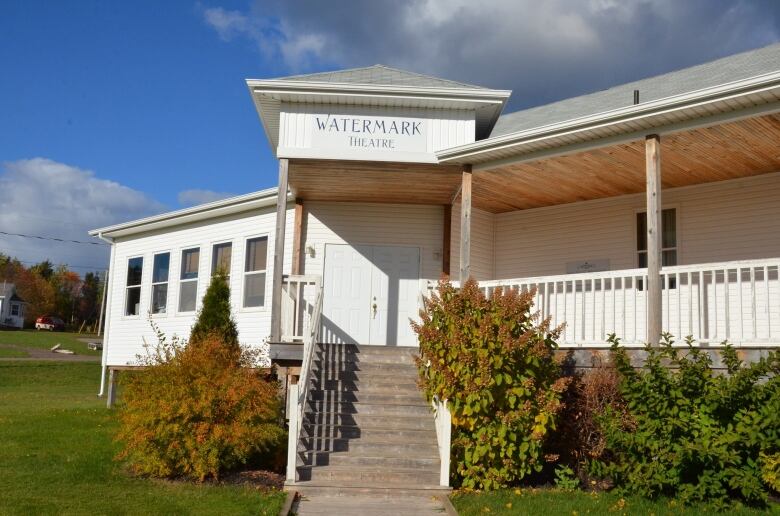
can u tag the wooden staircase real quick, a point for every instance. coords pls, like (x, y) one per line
(367, 432)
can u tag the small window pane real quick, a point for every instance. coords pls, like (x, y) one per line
(160, 268)
(14, 309)
(134, 270)
(220, 259)
(188, 292)
(641, 232)
(133, 305)
(669, 258)
(256, 251)
(642, 260)
(669, 228)
(254, 289)
(160, 298)
(190, 258)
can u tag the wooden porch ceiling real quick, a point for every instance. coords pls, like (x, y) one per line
(728, 151)
(736, 149)
(361, 181)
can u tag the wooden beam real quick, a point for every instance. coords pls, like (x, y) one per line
(465, 224)
(447, 240)
(281, 224)
(653, 188)
(297, 265)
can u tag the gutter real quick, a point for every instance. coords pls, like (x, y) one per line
(723, 92)
(109, 288)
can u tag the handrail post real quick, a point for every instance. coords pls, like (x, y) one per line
(292, 432)
(443, 424)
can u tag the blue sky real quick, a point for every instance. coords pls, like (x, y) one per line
(110, 111)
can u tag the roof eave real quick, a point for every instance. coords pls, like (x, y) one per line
(473, 152)
(249, 201)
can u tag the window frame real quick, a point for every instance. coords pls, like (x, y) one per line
(139, 286)
(181, 281)
(18, 308)
(154, 284)
(232, 256)
(677, 241)
(244, 273)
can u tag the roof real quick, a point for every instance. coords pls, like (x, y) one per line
(240, 203)
(9, 290)
(722, 71)
(375, 86)
(381, 75)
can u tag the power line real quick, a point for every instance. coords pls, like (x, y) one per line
(54, 239)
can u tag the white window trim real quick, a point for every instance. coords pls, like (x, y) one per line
(166, 282)
(182, 281)
(125, 315)
(677, 247)
(18, 308)
(264, 307)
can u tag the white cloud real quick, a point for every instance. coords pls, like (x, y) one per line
(195, 196)
(543, 51)
(46, 198)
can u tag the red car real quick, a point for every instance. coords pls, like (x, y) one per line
(46, 322)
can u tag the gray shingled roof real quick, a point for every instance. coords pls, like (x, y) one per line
(381, 75)
(722, 71)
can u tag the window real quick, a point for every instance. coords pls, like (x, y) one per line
(135, 268)
(160, 269)
(254, 271)
(668, 237)
(15, 310)
(220, 258)
(188, 286)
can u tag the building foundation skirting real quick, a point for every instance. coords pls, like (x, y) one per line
(590, 358)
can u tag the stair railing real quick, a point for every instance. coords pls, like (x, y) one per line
(298, 392)
(443, 422)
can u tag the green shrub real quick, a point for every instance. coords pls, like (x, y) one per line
(770, 471)
(215, 315)
(493, 360)
(697, 435)
(200, 409)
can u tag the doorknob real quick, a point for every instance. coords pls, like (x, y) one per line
(373, 308)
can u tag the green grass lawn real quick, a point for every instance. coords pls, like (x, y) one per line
(11, 352)
(56, 454)
(553, 502)
(47, 340)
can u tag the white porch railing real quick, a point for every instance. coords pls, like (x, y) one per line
(736, 301)
(298, 290)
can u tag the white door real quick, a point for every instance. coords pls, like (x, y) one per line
(345, 308)
(395, 284)
(383, 292)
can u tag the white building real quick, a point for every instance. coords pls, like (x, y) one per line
(389, 179)
(11, 307)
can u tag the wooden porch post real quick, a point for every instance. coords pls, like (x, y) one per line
(654, 302)
(281, 223)
(465, 225)
(297, 228)
(447, 240)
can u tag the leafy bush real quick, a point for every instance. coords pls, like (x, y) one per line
(199, 409)
(579, 439)
(698, 435)
(493, 360)
(770, 470)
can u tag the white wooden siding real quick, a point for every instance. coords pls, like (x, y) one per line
(444, 128)
(374, 224)
(482, 244)
(716, 222)
(126, 334)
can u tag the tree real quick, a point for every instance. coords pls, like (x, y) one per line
(215, 316)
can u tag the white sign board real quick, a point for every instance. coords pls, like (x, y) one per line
(369, 133)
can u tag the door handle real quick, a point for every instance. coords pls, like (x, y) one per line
(373, 308)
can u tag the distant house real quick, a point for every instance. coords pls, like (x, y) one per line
(11, 307)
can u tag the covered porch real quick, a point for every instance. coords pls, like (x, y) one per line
(642, 283)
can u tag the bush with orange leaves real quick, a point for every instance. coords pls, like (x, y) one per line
(199, 409)
(493, 360)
